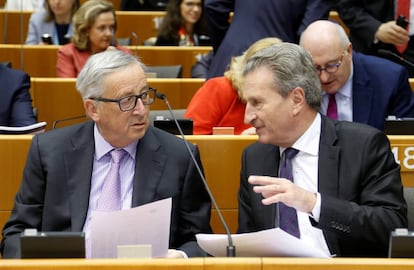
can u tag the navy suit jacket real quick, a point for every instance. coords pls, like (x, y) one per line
(380, 88)
(54, 194)
(15, 102)
(359, 182)
(254, 20)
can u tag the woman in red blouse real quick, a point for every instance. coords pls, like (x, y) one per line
(218, 103)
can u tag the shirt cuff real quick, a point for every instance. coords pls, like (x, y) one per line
(316, 211)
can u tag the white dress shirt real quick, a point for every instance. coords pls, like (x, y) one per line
(305, 175)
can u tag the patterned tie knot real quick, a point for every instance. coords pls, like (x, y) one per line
(117, 155)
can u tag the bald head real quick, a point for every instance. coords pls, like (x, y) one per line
(330, 47)
(325, 35)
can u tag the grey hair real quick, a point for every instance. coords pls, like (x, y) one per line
(90, 79)
(292, 67)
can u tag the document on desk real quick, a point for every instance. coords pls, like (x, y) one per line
(145, 224)
(267, 243)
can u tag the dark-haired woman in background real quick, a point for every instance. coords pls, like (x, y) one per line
(183, 24)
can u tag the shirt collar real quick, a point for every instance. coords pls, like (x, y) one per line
(102, 147)
(309, 141)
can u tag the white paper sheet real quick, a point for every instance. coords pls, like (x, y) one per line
(266, 243)
(146, 224)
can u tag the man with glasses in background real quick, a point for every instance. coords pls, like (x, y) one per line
(357, 87)
(67, 171)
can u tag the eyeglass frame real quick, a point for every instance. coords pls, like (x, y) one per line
(334, 67)
(139, 96)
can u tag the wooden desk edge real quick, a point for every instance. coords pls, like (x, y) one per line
(260, 263)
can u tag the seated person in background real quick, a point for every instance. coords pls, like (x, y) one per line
(24, 5)
(57, 195)
(183, 24)
(338, 188)
(200, 68)
(372, 28)
(218, 102)
(55, 21)
(128, 5)
(94, 26)
(366, 89)
(253, 20)
(15, 102)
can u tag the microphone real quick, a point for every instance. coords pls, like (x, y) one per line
(388, 53)
(66, 119)
(5, 25)
(21, 36)
(231, 249)
(135, 36)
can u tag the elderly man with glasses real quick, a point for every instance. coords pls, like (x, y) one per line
(68, 170)
(357, 87)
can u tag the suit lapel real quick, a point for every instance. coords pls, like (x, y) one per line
(362, 92)
(269, 167)
(78, 164)
(149, 165)
(328, 159)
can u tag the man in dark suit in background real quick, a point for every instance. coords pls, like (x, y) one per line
(367, 89)
(372, 25)
(65, 171)
(15, 102)
(254, 20)
(346, 195)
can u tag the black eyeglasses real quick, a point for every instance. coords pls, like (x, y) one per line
(331, 68)
(128, 103)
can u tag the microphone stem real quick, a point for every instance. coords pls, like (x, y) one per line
(231, 249)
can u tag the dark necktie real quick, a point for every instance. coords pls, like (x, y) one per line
(288, 220)
(110, 199)
(332, 111)
(403, 9)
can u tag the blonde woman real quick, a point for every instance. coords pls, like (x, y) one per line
(218, 102)
(94, 26)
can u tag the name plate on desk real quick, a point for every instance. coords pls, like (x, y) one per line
(35, 244)
(401, 244)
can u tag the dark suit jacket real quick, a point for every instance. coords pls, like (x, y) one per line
(254, 20)
(363, 17)
(380, 88)
(54, 193)
(359, 182)
(15, 101)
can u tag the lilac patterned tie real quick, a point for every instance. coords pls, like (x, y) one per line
(288, 220)
(110, 199)
(332, 111)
